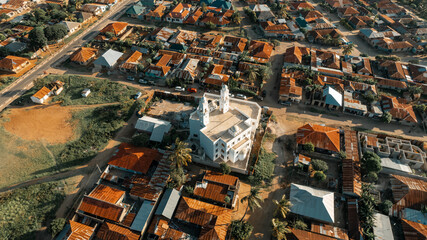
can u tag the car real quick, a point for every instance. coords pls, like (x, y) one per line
(142, 81)
(192, 90)
(287, 104)
(137, 95)
(241, 96)
(130, 78)
(179, 89)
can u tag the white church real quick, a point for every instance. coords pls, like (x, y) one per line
(225, 127)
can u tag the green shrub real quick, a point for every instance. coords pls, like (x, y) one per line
(56, 226)
(141, 140)
(319, 176)
(385, 206)
(225, 169)
(309, 147)
(264, 169)
(240, 230)
(319, 165)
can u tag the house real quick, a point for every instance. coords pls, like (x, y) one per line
(114, 231)
(339, 3)
(83, 17)
(364, 67)
(224, 128)
(108, 59)
(16, 46)
(311, 16)
(179, 13)
(147, 3)
(213, 220)
(156, 14)
(329, 230)
(188, 70)
(300, 5)
(78, 230)
(71, 26)
(354, 106)
(407, 193)
(161, 68)
(382, 227)
(395, 46)
(312, 203)
(109, 3)
(288, 90)
(321, 35)
(325, 139)
(216, 77)
(331, 99)
(413, 230)
(136, 11)
(194, 17)
(54, 88)
(86, 92)
(224, 4)
(218, 19)
(263, 12)
(84, 55)
(94, 8)
(13, 64)
(216, 187)
(163, 34)
(235, 44)
(357, 22)
(115, 28)
(271, 29)
(391, 84)
(297, 234)
(260, 50)
(7, 12)
(347, 12)
(400, 111)
(294, 55)
(156, 127)
(131, 64)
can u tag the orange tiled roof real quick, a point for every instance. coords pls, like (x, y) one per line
(132, 61)
(214, 191)
(179, 11)
(194, 17)
(80, 231)
(109, 231)
(348, 11)
(138, 159)
(12, 62)
(84, 54)
(115, 27)
(213, 219)
(260, 49)
(322, 137)
(101, 209)
(413, 230)
(158, 12)
(107, 194)
(302, 5)
(42, 92)
(221, 178)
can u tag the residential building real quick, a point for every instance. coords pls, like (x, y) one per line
(289, 91)
(331, 99)
(115, 28)
(84, 55)
(83, 17)
(156, 127)
(13, 64)
(339, 3)
(94, 8)
(136, 11)
(54, 88)
(300, 5)
(414, 230)
(280, 30)
(312, 203)
(224, 128)
(109, 3)
(235, 44)
(131, 64)
(382, 227)
(260, 51)
(329, 230)
(224, 4)
(402, 112)
(216, 187)
(263, 12)
(347, 12)
(188, 70)
(114, 231)
(161, 68)
(78, 230)
(407, 193)
(325, 139)
(297, 234)
(108, 59)
(354, 106)
(156, 14)
(216, 77)
(179, 13)
(71, 26)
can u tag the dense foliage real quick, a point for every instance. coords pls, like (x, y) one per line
(319, 165)
(264, 168)
(225, 169)
(240, 230)
(25, 210)
(57, 225)
(371, 166)
(367, 205)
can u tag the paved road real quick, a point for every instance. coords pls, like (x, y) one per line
(21, 85)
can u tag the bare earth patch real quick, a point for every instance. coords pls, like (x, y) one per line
(50, 123)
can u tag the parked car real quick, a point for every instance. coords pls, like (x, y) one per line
(192, 90)
(130, 78)
(241, 96)
(179, 89)
(137, 95)
(142, 81)
(287, 104)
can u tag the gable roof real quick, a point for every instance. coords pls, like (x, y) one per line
(109, 58)
(109, 231)
(80, 231)
(260, 49)
(322, 137)
(70, 25)
(42, 92)
(132, 61)
(213, 219)
(398, 109)
(107, 193)
(115, 27)
(168, 203)
(133, 158)
(158, 12)
(179, 11)
(332, 96)
(312, 203)
(221, 4)
(413, 230)
(12, 62)
(220, 178)
(135, 10)
(101, 209)
(84, 54)
(83, 15)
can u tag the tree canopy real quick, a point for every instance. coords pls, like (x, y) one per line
(37, 38)
(55, 32)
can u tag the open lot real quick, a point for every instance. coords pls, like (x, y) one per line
(166, 109)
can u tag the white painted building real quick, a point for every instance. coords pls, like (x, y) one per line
(225, 128)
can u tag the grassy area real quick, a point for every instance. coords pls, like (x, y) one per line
(5, 81)
(24, 211)
(264, 169)
(24, 159)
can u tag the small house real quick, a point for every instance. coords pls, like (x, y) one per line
(84, 55)
(54, 88)
(86, 92)
(158, 128)
(13, 64)
(108, 59)
(71, 26)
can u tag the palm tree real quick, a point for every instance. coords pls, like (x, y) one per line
(252, 74)
(264, 72)
(280, 229)
(348, 49)
(70, 17)
(282, 206)
(253, 199)
(236, 19)
(180, 155)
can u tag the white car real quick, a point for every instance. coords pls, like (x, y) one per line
(179, 89)
(241, 96)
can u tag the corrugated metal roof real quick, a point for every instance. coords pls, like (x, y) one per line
(332, 96)
(168, 203)
(382, 227)
(141, 219)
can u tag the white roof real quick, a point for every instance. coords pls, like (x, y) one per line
(109, 58)
(382, 227)
(155, 126)
(312, 203)
(395, 164)
(332, 97)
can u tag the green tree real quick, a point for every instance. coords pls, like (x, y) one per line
(370, 98)
(367, 205)
(240, 230)
(4, 16)
(348, 49)
(309, 147)
(2, 37)
(225, 169)
(280, 229)
(387, 117)
(319, 165)
(252, 74)
(177, 177)
(371, 177)
(420, 108)
(299, 224)
(342, 155)
(385, 206)
(55, 32)
(56, 226)
(180, 155)
(371, 162)
(236, 18)
(189, 189)
(141, 140)
(264, 72)
(319, 176)
(37, 38)
(414, 90)
(282, 207)
(210, 25)
(253, 199)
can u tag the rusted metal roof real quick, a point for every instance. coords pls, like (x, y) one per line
(101, 209)
(221, 178)
(414, 230)
(329, 230)
(79, 231)
(322, 137)
(134, 158)
(352, 178)
(407, 193)
(107, 194)
(109, 231)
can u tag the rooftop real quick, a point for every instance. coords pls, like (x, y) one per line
(133, 158)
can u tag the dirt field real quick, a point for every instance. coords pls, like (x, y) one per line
(50, 123)
(166, 109)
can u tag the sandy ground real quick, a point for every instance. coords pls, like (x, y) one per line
(50, 123)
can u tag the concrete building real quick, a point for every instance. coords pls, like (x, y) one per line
(224, 128)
